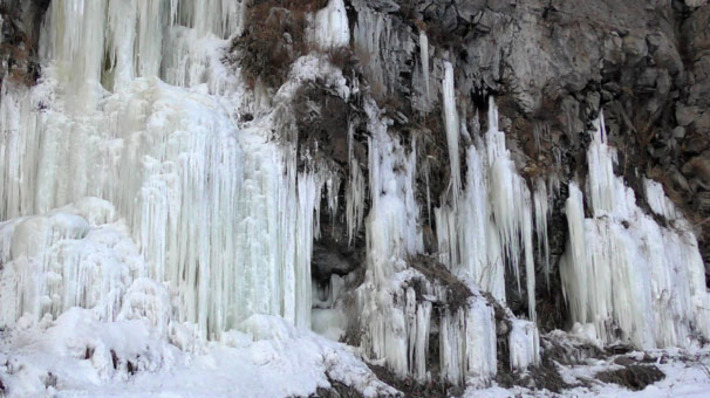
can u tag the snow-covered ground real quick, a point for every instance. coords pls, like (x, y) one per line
(687, 374)
(77, 356)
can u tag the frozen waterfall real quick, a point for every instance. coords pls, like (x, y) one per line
(631, 278)
(144, 183)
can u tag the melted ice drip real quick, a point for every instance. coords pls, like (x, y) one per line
(622, 272)
(220, 214)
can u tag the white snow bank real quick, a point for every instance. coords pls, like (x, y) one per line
(77, 355)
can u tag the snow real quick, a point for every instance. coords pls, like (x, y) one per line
(87, 357)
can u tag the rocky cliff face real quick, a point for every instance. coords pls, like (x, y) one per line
(554, 65)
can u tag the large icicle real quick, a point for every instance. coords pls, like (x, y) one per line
(331, 26)
(542, 212)
(451, 124)
(491, 222)
(621, 271)
(511, 205)
(424, 59)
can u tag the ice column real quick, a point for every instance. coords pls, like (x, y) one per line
(451, 123)
(331, 26)
(424, 58)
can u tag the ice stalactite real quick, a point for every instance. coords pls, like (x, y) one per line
(375, 36)
(511, 204)
(524, 344)
(355, 200)
(542, 213)
(424, 59)
(355, 191)
(392, 235)
(451, 124)
(467, 238)
(219, 17)
(631, 278)
(659, 202)
(331, 26)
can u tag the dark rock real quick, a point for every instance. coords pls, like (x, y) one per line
(686, 114)
(633, 377)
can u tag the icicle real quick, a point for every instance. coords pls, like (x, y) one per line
(219, 17)
(527, 234)
(331, 26)
(657, 200)
(542, 212)
(524, 345)
(355, 200)
(451, 123)
(424, 58)
(511, 203)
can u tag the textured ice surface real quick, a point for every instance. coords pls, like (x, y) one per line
(631, 278)
(152, 243)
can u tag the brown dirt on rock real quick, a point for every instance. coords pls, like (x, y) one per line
(457, 293)
(413, 389)
(633, 377)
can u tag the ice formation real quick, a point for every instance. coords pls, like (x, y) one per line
(331, 26)
(490, 221)
(130, 189)
(424, 59)
(396, 301)
(190, 180)
(631, 278)
(451, 124)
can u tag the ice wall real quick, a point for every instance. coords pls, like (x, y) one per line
(132, 108)
(79, 255)
(631, 278)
